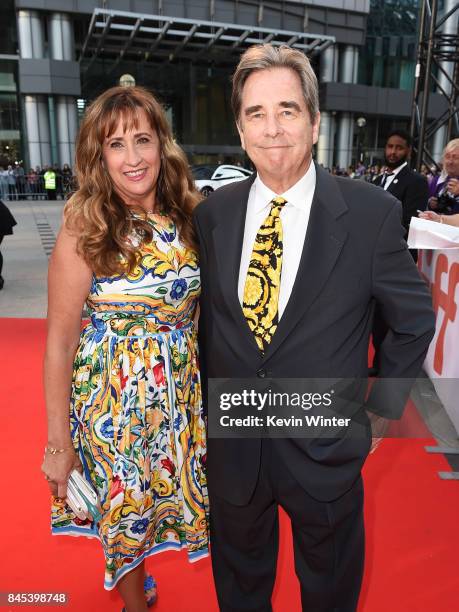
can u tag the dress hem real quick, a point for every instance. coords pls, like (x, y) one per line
(165, 546)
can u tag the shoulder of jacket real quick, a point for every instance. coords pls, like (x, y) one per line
(366, 198)
(221, 197)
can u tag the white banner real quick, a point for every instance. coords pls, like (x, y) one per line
(441, 271)
(425, 234)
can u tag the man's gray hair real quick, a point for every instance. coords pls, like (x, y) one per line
(266, 56)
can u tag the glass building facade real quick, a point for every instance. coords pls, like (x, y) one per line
(388, 60)
(389, 56)
(367, 74)
(10, 126)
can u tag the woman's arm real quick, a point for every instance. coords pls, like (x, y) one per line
(69, 282)
(447, 219)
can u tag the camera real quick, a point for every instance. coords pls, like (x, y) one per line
(447, 203)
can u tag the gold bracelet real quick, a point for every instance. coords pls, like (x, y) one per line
(55, 451)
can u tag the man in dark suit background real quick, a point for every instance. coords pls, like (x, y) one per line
(338, 246)
(412, 190)
(409, 187)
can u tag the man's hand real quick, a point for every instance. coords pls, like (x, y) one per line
(453, 186)
(379, 427)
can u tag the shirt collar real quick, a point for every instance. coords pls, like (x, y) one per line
(443, 177)
(395, 171)
(296, 196)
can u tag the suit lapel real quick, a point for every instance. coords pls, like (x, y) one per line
(396, 184)
(323, 243)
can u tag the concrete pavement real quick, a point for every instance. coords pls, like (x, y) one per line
(25, 255)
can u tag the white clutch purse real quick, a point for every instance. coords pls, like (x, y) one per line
(82, 498)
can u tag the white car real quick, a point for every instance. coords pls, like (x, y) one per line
(208, 178)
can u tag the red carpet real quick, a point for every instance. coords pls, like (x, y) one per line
(411, 516)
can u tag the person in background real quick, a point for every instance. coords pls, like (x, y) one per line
(21, 184)
(41, 183)
(351, 172)
(430, 215)
(425, 170)
(50, 182)
(412, 190)
(12, 190)
(409, 187)
(360, 170)
(3, 183)
(372, 173)
(67, 177)
(59, 187)
(135, 425)
(7, 222)
(33, 180)
(444, 188)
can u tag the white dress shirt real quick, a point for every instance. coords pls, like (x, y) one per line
(393, 175)
(294, 216)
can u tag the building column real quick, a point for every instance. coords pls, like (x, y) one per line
(348, 64)
(61, 42)
(192, 111)
(325, 140)
(325, 144)
(66, 123)
(348, 74)
(449, 27)
(61, 47)
(31, 37)
(344, 146)
(31, 46)
(38, 133)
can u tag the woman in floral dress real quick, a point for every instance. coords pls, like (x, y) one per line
(135, 427)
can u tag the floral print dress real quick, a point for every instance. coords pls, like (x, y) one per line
(136, 410)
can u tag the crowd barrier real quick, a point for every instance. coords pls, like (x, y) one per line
(440, 269)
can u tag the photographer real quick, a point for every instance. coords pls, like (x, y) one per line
(444, 189)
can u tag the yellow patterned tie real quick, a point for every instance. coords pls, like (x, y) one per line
(262, 285)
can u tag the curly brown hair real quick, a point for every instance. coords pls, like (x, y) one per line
(96, 213)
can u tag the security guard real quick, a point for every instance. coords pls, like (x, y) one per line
(50, 183)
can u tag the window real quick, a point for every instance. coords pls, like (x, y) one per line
(9, 113)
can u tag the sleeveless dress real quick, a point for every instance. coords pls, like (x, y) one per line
(136, 411)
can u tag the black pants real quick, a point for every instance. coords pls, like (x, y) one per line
(328, 541)
(12, 191)
(51, 194)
